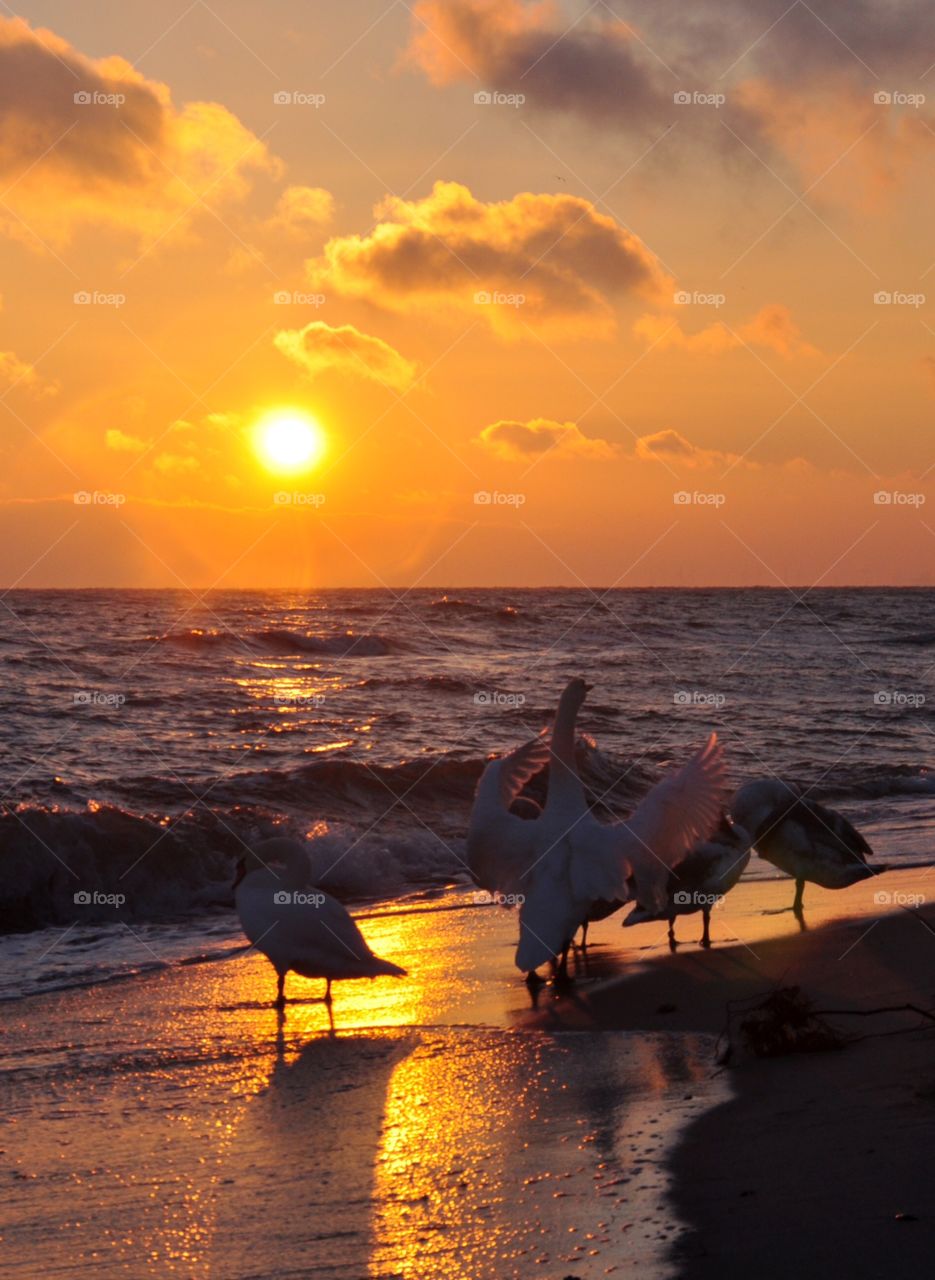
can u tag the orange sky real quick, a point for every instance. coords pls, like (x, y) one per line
(628, 295)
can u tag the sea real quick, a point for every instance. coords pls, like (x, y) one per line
(147, 737)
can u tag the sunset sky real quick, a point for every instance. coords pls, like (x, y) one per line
(585, 261)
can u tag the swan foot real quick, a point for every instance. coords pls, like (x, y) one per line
(706, 931)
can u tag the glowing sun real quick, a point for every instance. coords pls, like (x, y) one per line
(289, 440)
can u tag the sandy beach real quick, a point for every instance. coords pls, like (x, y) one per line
(449, 1129)
(829, 1153)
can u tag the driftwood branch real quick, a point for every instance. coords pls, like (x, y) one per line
(783, 1021)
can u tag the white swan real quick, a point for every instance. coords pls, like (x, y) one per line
(565, 860)
(501, 839)
(802, 837)
(699, 882)
(296, 926)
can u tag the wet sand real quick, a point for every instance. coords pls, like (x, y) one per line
(821, 1163)
(173, 1125)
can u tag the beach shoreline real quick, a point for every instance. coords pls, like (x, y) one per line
(827, 1152)
(172, 1125)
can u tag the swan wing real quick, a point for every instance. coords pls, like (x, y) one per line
(501, 846)
(830, 831)
(677, 813)
(514, 770)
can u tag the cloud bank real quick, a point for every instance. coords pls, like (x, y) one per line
(547, 263)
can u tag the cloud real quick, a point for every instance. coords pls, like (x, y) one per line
(797, 80)
(772, 328)
(519, 441)
(93, 141)
(174, 464)
(671, 447)
(593, 67)
(300, 209)
(550, 263)
(120, 442)
(16, 372)
(319, 348)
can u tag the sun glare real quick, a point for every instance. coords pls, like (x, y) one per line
(288, 440)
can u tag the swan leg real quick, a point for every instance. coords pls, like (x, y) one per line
(327, 995)
(672, 942)
(281, 991)
(533, 980)
(560, 965)
(799, 891)
(797, 905)
(584, 936)
(706, 931)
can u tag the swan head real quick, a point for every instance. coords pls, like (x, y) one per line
(575, 693)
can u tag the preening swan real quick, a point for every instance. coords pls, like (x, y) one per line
(296, 926)
(565, 860)
(802, 837)
(701, 879)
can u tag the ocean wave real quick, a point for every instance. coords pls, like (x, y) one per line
(918, 639)
(475, 609)
(375, 832)
(106, 865)
(284, 641)
(872, 781)
(434, 684)
(344, 645)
